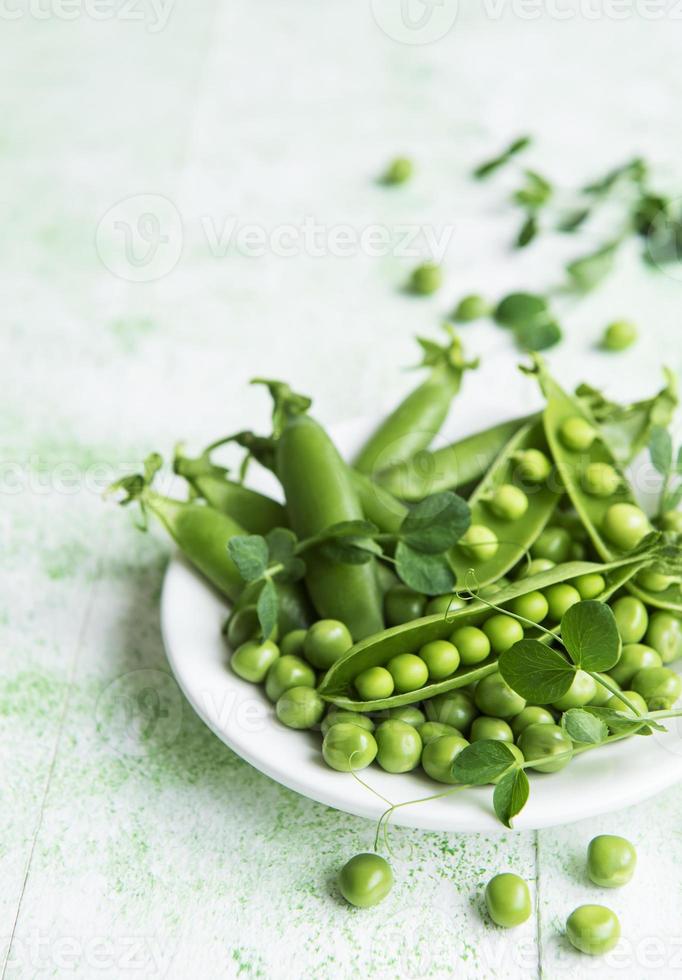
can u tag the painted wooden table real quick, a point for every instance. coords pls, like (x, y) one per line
(189, 199)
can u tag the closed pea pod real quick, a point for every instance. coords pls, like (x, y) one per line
(348, 593)
(419, 417)
(615, 523)
(457, 465)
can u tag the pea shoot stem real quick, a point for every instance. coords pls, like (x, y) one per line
(600, 679)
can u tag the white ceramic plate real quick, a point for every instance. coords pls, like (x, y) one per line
(192, 615)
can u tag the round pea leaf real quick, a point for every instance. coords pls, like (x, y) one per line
(430, 574)
(538, 673)
(482, 762)
(590, 634)
(249, 552)
(511, 795)
(583, 726)
(436, 523)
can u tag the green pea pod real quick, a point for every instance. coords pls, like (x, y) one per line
(457, 465)
(200, 532)
(376, 651)
(572, 464)
(627, 428)
(514, 537)
(418, 418)
(378, 505)
(256, 513)
(319, 493)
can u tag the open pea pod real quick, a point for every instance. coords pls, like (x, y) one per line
(572, 465)
(376, 651)
(514, 536)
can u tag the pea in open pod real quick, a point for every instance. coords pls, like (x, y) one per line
(378, 650)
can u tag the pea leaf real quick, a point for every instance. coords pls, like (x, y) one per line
(587, 272)
(517, 309)
(267, 608)
(536, 192)
(538, 336)
(661, 449)
(536, 672)
(590, 634)
(249, 552)
(527, 232)
(351, 551)
(350, 529)
(436, 523)
(490, 166)
(482, 762)
(573, 220)
(281, 543)
(620, 723)
(430, 574)
(584, 727)
(511, 795)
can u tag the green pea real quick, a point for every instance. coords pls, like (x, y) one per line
(479, 543)
(425, 279)
(408, 713)
(348, 747)
(553, 544)
(508, 900)
(535, 567)
(532, 606)
(619, 335)
(443, 604)
(326, 642)
(472, 643)
(572, 521)
(496, 729)
(653, 581)
(578, 551)
(408, 671)
(471, 308)
(593, 929)
(493, 696)
(508, 502)
(625, 525)
(454, 708)
(590, 586)
(398, 171)
(402, 605)
(577, 434)
(503, 632)
(533, 466)
(434, 729)
(292, 643)
(441, 659)
(672, 521)
(602, 694)
(285, 673)
(632, 618)
(300, 707)
(374, 684)
(365, 880)
(616, 703)
(538, 741)
(611, 861)
(242, 626)
(399, 746)
(438, 756)
(664, 634)
(601, 480)
(337, 716)
(531, 715)
(252, 661)
(634, 657)
(657, 684)
(560, 598)
(583, 688)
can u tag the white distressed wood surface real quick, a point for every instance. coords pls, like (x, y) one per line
(171, 857)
